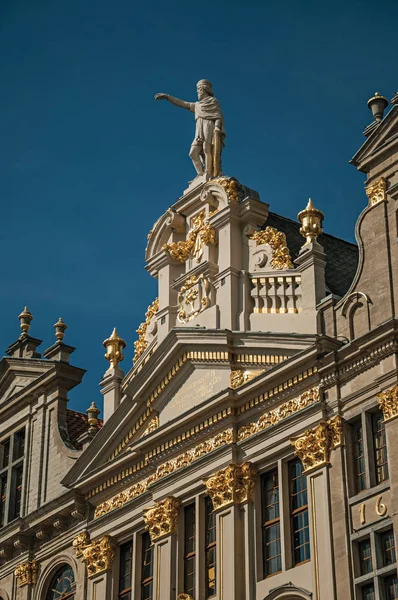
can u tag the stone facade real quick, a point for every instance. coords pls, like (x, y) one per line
(250, 452)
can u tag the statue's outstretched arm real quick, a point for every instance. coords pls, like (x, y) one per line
(175, 101)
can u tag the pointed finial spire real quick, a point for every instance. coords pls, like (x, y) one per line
(60, 327)
(377, 105)
(25, 319)
(311, 222)
(114, 346)
(92, 413)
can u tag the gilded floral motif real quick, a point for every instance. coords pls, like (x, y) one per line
(278, 414)
(377, 191)
(175, 464)
(152, 425)
(388, 402)
(200, 234)
(193, 298)
(239, 377)
(314, 447)
(141, 343)
(26, 573)
(98, 555)
(161, 519)
(233, 485)
(277, 242)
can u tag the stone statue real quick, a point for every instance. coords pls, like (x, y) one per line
(209, 135)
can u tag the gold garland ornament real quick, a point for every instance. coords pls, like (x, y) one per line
(277, 242)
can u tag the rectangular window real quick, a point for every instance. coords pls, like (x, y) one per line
(5, 454)
(272, 562)
(190, 550)
(359, 456)
(299, 512)
(125, 570)
(15, 504)
(365, 557)
(19, 445)
(11, 463)
(368, 592)
(387, 545)
(210, 549)
(390, 587)
(3, 499)
(380, 447)
(147, 568)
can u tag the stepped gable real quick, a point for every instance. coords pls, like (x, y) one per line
(77, 424)
(341, 256)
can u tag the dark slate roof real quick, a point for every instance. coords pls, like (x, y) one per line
(341, 256)
(77, 424)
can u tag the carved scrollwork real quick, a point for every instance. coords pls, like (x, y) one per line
(161, 519)
(239, 377)
(388, 402)
(98, 555)
(201, 234)
(26, 573)
(276, 240)
(233, 189)
(314, 447)
(142, 343)
(152, 425)
(233, 485)
(193, 297)
(377, 191)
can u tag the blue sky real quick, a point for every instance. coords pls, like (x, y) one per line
(89, 160)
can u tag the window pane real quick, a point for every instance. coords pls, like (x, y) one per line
(211, 549)
(365, 557)
(359, 457)
(391, 587)
(272, 562)
(125, 571)
(3, 499)
(16, 493)
(19, 444)
(299, 512)
(387, 544)
(63, 585)
(368, 592)
(147, 568)
(5, 454)
(380, 447)
(189, 550)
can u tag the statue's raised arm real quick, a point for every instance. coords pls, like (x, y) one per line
(209, 135)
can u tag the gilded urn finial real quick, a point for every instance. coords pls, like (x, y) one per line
(311, 222)
(114, 346)
(60, 327)
(25, 319)
(92, 413)
(377, 105)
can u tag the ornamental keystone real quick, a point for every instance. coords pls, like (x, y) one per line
(314, 447)
(388, 402)
(114, 346)
(26, 573)
(233, 485)
(161, 519)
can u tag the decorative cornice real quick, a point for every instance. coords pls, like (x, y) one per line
(161, 519)
(141, 344)
(314, 447)
(273, 417)
(276, 240)
(26, 573)
(180, 462)
(233, 485)
(200, 234)
(388, 402)
(98, 555)
(377, 191)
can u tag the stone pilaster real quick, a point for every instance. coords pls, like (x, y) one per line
(388, 402)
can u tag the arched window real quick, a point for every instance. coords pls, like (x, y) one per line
(63, 585)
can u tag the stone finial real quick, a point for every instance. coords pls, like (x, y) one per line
(25, 319)
(114, 346)
(311, 222)
(377, 105)
(92, 413)
(60, 327)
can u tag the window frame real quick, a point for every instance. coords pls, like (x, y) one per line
(210, 548)
(298, 511)
(128, 591)
(266, 525)
(14, 465)
(190, 558)
(146, 581)
(56, 574)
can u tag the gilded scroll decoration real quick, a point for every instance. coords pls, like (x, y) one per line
(314, 447)
(239, 377)
(223, 438)
(26, 573)
(200, 234)
(273, 417)
(161, 519)
(152, 425)
(276, 240)
(233, 189)
(193, 298)
(98, 555)
(377, 191)
(388, 402)
(141, 344)
(233, 485)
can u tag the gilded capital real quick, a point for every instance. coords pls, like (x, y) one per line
(388, 402)
(161, 519)
(114, 346)
(314, 447)
(98, 555)
(233, 485)
(377, 191)
(26, 573)
(311, 222)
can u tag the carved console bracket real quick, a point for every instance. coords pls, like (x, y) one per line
(161, 519)
(388, 402)
(98, 555)
(314, 447)
(26, 573)
(233, 485)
